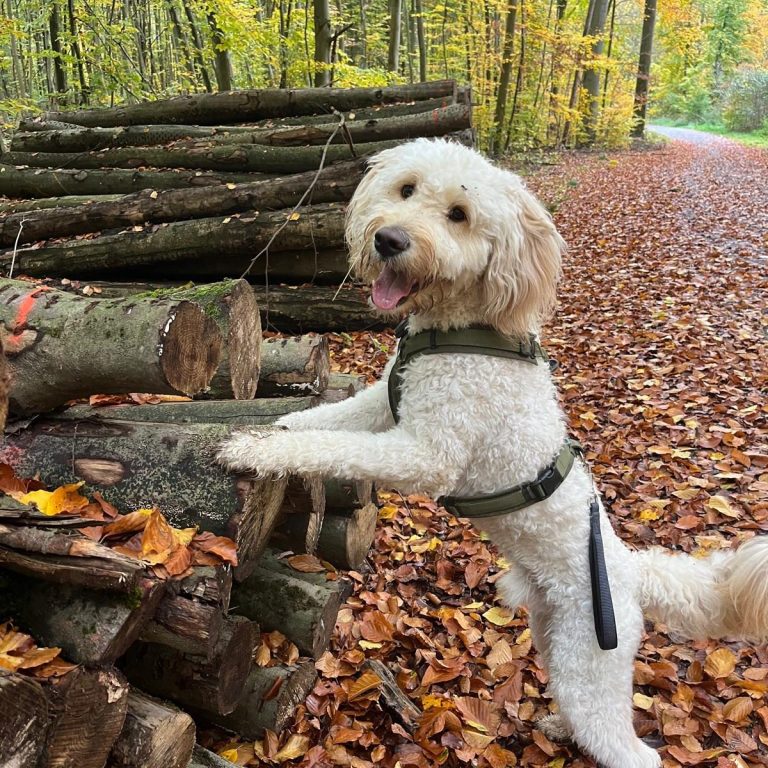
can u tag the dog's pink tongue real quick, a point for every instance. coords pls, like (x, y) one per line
(389, 287)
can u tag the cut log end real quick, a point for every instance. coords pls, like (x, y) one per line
(188, 367)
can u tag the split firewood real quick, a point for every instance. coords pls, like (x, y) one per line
(271, 696)
(90, 626)
(342, 386)
(134, 464)
(298, 366)
(24, 724)
(210, 585)
(397, 702)
(185, 625)
(214, 685)
(62, 346)
(155, 735)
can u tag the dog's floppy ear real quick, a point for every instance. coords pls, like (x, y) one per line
(520, 281)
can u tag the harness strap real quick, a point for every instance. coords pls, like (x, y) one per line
(520, 496)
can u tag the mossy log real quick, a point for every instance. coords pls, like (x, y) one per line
(271, 696)
(92, 627)
(23, 720)
(62, 346)
(10, 207)
(294, 367)
(242, 106)
(320, 226)
(86, 710)
(213, 685)
(144, 464)
(235, 413)
(28, 182)
(303, 606)
(155, 735)
(79, 215)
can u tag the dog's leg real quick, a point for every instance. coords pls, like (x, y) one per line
(395, 457)
(593, 688)
(367, 411)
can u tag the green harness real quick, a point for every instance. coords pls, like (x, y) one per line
(486, 341)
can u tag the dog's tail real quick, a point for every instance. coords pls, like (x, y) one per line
(723, 595)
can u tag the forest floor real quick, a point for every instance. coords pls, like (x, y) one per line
(661, 338)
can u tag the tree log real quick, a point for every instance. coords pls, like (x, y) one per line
(37, 182)
(261, 708)
(294, 367)
(23, 720)
(204, 758)
(231, 304)
(241, 106)
(336, 183)
(87, 710)
(90, 626)
(235, 413)
(341, 386)
(5, 386)
(210, 585)
(155, 735)
(213, 686)
(320, 226)
(172, 466)
(202, 156)
(185, 625)
(66, 201)
(303, 606)
(63, 346)
(345, 538)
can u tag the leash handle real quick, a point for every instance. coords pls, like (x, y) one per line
(602, 603)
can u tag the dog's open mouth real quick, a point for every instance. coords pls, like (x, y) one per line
(390, 288)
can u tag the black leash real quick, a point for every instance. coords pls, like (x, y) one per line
(602, 603)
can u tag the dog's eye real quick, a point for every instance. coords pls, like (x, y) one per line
(457, 214)
(407, 190)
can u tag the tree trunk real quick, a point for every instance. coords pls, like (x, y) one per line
(134, 464)
(319, 226)
(155, 735)
(86, 711)
(505, 77)
(33, 182)
(322, 19)
(644, 69)
(335, 184)
(59, 70)
(90, 626)
(271, 696)
(212, 686)
(24, 720)
(393, 47)
(595, 27)
(222, 65)
(220, 157)
(63, 346)
(294, 367)
(243, 106)
(422, 40)
(198, 42)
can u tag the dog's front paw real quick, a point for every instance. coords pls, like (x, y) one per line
(248, 452)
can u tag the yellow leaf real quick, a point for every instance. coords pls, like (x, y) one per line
(558, 762)
(721, 505)
(153, 194)
(368, 645)
(63, 499)
(230, 186)
(430, 701)
(387, 512)
(183, 536)
(720, 663)
(229, 754)
(500, 617)
(296, 746)
(641, 701)
(294, 216)
(649, 514)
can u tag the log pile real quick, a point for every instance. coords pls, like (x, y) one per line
(154, 653)
(199, 187)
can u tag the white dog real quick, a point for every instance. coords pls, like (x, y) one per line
(451, 241)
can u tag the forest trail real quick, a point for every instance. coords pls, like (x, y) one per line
(688, 135)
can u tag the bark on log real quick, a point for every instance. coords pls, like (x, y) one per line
(90, 626)
(204, 758)
(319, 226)
(66, 201)
(231, 304)
(87, 709)
(68, 558)
(314, 308)
(185, 625)
(155, 735)
(341, 386)
(135, 465)
(294, 367)
(210, 585)
(336, 183)
(261, 708)
(241, 106)
(345, 537)
(213, 686)
(205, 157)
(38, 182)
(302, 606)
(63, 346)
(235, 413)
(24, 721)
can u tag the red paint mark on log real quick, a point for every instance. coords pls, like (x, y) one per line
(26, 306)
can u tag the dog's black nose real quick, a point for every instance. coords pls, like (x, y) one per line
(391, 241)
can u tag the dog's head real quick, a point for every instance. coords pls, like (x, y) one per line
(438, 230)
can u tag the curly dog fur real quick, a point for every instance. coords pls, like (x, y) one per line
(450, 240)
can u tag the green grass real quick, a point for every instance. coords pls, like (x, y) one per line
(756, 139)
